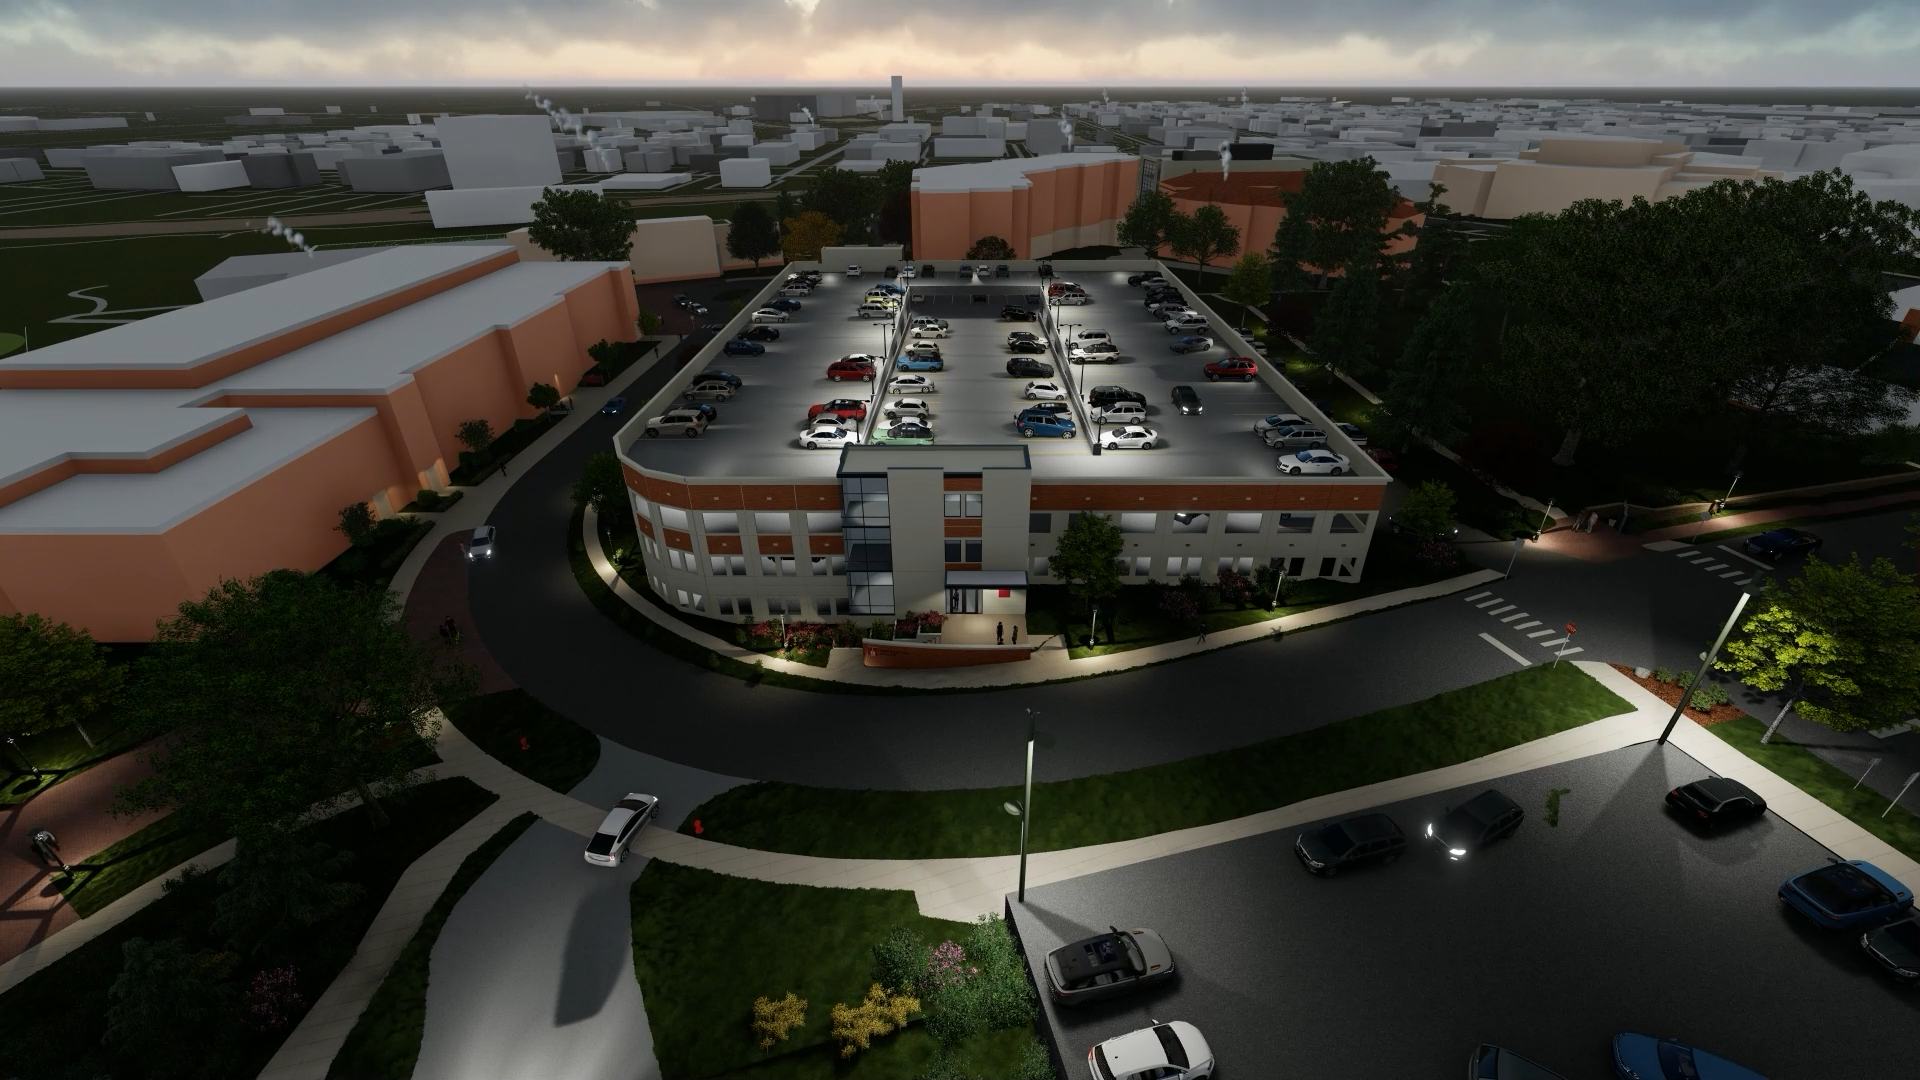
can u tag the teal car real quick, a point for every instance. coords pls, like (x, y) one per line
(919, 363)
(1045, 426)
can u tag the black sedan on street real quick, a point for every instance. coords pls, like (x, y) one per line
(1780, 543)
(1715, 800)
(1363, 839)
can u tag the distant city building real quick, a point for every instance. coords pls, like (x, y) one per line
(1563, 171)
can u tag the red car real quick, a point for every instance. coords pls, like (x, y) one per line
(844, 408)
(594, 376)
(1063, 286)
(1233, 367)
(850, 369)
(1385, 458)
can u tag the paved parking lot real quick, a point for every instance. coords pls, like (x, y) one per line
(1620, 918)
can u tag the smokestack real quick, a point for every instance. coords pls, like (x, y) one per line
(899, 101)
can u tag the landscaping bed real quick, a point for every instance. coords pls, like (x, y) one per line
(475, 467)
(119, 868)
(1800, 767)
(1670, 691)
(514, 728)
(54, 1019)
(432, 502)
(385, 1042)
(1446, 729)
(60, 754)
(374, 563)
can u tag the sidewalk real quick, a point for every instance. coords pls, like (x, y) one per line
(1605, 544)
(1050, 662)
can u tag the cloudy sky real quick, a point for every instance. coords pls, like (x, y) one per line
(1023, 42)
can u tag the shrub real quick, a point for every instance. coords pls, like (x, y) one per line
(356, 522)
(897, 959)
(273, 1000)
(946, 967)
(1427, 510)
(1179, 605)
(1035, 1063)
(846, 635)
(979, 987)
(476, 435)
(1707, 695)
(773, 1019)
(1662, 675)
(1438, 554)
(1683, 680)
(1235, 588)
(855, 1027)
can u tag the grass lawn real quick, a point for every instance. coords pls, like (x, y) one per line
(385, 1043)
(54, 1019)
(559, 753)
(118, 869)
(706, 945)
(1803, 769)
(1443, 730)
(61, 754)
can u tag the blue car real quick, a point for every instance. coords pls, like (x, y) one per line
(785, 303)
(740, 347)
(1643, 1057)
(1842, 895)
(614, 406)
(919, 363)
(1036, 425)
(888, 287)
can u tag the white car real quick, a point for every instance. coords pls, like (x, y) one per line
(1088, 337)
(614, 837)
(798, 288)
(853, 271)
(908, 406)
(1185, 324)
(931, 329)
(910, 384)
(1175, 1051)
(1070, 299)
(1278, 420)
(767, 314)
(829, 436)
(921, 348)
(1045, 391)
(1095, 352)
(918, 319)
(907, 272)
(1130, 438)
(480, 546)
(1312, 462)
(1121, 412)
(863, 358)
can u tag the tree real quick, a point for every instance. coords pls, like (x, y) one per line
(1422, 395)
(357, 524)
(1087, 558)
(848, 199)
(784, 206)
(1148, 222)
(804, 236)
(51, 675)
(602, 484)
(170, 1010)
(582, 226)
(1250, 283)
(647, 323)
(1205, 236)
(896, 202)
(542, 396)
(752, 234)
(277, 885)
(1338, 215)
(1343, 331)
(476, 435)
(991, 247)
(283, 693)
(1438, 254)
(1843, 637)
(1427, 510)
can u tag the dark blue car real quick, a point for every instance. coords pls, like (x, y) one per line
(1643, 1057)
(614, 406)
(1037, 425)
(1777, 544)
(1842, 895)
(785, 303)
(737, 347)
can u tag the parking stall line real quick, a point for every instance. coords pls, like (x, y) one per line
(1511, 655)
(1476, 596)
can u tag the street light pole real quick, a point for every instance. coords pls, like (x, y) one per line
(31, 767)
(1024, 808)
(1706, 661)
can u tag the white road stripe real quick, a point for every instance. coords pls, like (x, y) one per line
(1715, 566)
(1488, 603)
(1744, 581)
(1498, 644)
(1539, 633)
(1554, 642)
(1530, 622)
(1692, 555)
(1477, 596)
(1663, 545)
(1732, 573)
(1498, 610)
(1510, 618)
(1571, 651)
(1743, 555)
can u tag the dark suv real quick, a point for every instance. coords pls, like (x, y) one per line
(1017, 314)
(1102, 396)
(1367, 838)
(1027, 367)
(1481, 820)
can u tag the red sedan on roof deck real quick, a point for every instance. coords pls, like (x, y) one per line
(1233, 367)
(844, 408)
(850, 369)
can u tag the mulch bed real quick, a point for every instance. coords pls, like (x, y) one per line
(1671, 694)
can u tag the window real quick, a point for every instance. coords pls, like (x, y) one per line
(870, 597)
(724, 606)
(1187, 521)
(1347, 567)
(1243, 523)
(743, 605)
(777, 522)
(963, 551)
(723, 565)
(1349, 523)
(1326, 566)
(962, 503)
(829, 565)
(1139, 523)
(675, 518)
(781, 566)
(1243, 565)
(1143, 566)
(683, 596)
(1040, 567)
(1039, 523)
(1294, 523)
(641, 506)
(1173, 566)
(1193, 565)
(717, 565)
(681, 560)
(1297, 567)
(963, 601)
(823, 521)
(699, 602)
(719, 523)
(840, 605)
(1222, 565)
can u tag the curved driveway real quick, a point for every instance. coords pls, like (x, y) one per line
(535, 620)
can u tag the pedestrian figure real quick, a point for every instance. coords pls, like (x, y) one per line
(1203, 633)
(47, 846)
(1000, 633)
(1016, 634)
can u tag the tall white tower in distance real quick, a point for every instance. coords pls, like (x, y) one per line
(899, 101)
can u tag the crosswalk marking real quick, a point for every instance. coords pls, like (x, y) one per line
(1555, 641)
(1529, 622)
(1510, 618)
(1488, 603)
(1477, 596)
(1498, 610)
(1540, 633)
(1715, 566)
(1570, 652)
(1502, 646)
(1733, 573)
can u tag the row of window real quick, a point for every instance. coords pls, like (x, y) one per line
(793, 607)
(1147, 523)
(870, 508)
(736, 565)
(1178, 566)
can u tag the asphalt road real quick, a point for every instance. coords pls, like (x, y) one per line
(1621, 918)
(1651, 610)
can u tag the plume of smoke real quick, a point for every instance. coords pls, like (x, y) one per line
(1226, 157)
(1066, 128)
(806, 112)
(280, 229)
(564, 120)
(1243, 95)
(1103, 96)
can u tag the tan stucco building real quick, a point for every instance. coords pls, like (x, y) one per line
(1564, 171)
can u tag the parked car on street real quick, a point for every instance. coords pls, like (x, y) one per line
(1026, 367)
(844, 408)
(1384, 458)
(1129, 437)
(1643, 1057)
(1315, 463)
(1046, 426)
(771, 314)
(480, 544)
(1843, 895)
(1175, 1051)
(1187, 400)
(1491, 1062)
(1355, 841)
(1776, 544)
(677, 421)
(1017, 314)
(1232, 367)
(1108, 965)
(617, 405)
(1716, 800)
(1896, 947)
(594, 376)
(1481, 820)
(1044, 391)
(611, 841)
(689, 305)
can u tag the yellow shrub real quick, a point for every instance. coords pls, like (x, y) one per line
(880, 1014)
(773, 1019)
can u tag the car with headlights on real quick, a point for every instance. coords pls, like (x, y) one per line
(1366, 838)
(1314, 463)
(480, 544)
(1487, 817)
(609, 844)
(911, 384)
(617, 405)
(1896, 947)
(1130, 437)
(1776, 544)
(1175, 1051)
(1716, 800)
(1846, 894)
(1187, 400)
(1107, 965)
(1643, 1057)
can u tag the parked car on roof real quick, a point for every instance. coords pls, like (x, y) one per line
(1044, 391)
(1044, 408)
(1017, 314)
(853, 271)
(1301, 437)
(1187, 400)
(1108, 965)
(1094, 352)
(850, 369)
(1191, 343)
(1029, 368)
(1232, 367)
(911, 384)
(1365, 838)
(1715, 800)
(1315, 462)
(893, 271)
(1481, 820)
(732, 379)
(1776, 544)
(927, 270)
(1841, 895)
(1001, 270)
(677, 421)
(771, 314)
(798, 288)
(1277, 420)
(743, 347)
(922, 348)
(920, 362)
(845, 408)
(707, 387)
(911, 431)
(1046, 426)
(1107, 394)
(1129, 437)
(609, 844)
(1119, 412)
(1643, 1057)
(1175, 1051)
(907, 406)
(1141, 279)
(759, 333)
(786, 303)
(1027, 345)
(935, 328)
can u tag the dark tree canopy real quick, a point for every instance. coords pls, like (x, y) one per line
(582, 226)
(991, 247)
(1344, 330)
(752, 234)
(1205, 236)
(848, 199)
(1087, 557)
(1339, 214)
(602, 484)
(1424, 389)
(51, 675)
(1148, 222)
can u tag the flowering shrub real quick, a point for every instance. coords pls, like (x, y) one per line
(1179, 605)
(773, 1019)
(1234, 588)
(855, 1027)
(274, 998)
(946, 966)
(1437, 554)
